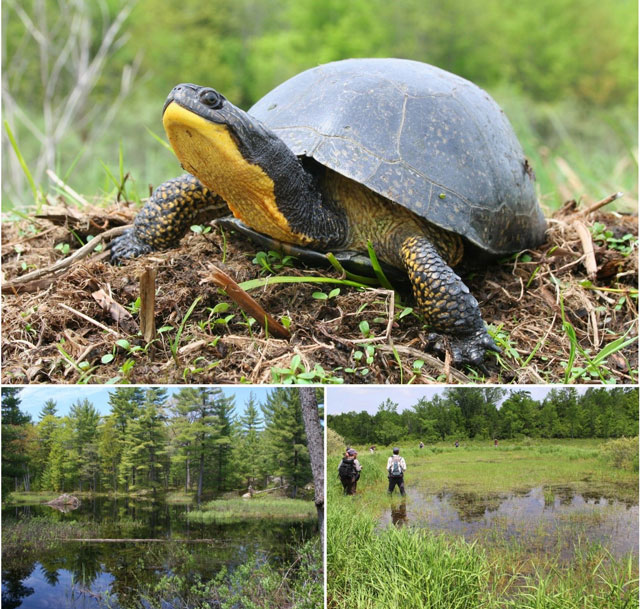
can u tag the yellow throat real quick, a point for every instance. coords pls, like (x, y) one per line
(208, 151)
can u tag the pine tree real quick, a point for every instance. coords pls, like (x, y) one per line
(249, 455)
(85, 419)
(15, 461)
(144, 448)
(287, 455)
(224, 412)
(49, 409)
(126, 404)
(196, 405)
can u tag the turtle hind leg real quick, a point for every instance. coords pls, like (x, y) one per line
(446, 302)
(172, 208)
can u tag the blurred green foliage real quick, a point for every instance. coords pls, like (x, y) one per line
(565, 70)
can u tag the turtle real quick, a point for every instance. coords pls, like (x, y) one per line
(415, 160)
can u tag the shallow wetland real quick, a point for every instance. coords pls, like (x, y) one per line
(44, 566)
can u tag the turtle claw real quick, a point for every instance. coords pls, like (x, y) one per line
(128, 245)
(466, 349)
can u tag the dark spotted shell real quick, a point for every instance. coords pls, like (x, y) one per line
(424, 138)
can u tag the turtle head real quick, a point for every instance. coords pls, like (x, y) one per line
(233, 154)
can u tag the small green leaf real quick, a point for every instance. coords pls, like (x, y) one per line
(107, 358)
(364, 327)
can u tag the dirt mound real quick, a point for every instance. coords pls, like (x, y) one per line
(559, 313)
(65, 503)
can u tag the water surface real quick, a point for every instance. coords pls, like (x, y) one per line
(91, 575)
(554, 520)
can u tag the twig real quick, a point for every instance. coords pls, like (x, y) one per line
(148, 303)
(247, 303)
(429, 359)
(590, 263)
(83, 252)
(87, 318)
(600, 204)
(72, 193)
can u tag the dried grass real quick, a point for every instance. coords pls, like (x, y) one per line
(521, 297)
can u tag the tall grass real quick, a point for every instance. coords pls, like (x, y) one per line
(238, 510)
(400, 568)
(478, 466)
(405, 568)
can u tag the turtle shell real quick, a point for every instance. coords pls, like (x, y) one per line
(422, 137)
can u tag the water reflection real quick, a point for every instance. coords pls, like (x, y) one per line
(556, 518)
(86, 574)
(399, 514)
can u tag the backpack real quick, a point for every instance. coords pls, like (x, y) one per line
(347, 469)
(395, 470)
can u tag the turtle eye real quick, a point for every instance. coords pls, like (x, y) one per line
(211, 98)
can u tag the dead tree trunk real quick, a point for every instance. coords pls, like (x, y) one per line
(315, 443)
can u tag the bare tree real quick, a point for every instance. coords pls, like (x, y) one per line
(71, 46)
(315, 443)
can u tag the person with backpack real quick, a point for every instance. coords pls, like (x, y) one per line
(396, 467)
(349, 471)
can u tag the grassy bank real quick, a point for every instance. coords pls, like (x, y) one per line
(511, 466)
(372, 566)
(41, 533)
(413, 568)
(238, 510)
(255, 584)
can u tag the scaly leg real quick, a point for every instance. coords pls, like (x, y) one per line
(172, 208)
(445, 301)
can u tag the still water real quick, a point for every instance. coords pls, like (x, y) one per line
(89, 575)
(551, 520)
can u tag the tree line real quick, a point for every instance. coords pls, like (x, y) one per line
(193, 441)
(492, 412)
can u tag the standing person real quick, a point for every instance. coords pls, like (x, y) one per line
(396, 467)
(457, 444)
(495, 442)
(349, 471)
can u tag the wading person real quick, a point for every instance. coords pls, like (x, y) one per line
(349, 471)
(396, 467)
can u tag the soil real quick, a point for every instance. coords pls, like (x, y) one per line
(63, 328)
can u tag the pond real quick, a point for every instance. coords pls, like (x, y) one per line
(553, 520)
(113, 574)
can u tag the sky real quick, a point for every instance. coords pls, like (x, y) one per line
(33, 398)
(356, 398)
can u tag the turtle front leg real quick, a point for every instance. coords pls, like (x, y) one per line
(172, 208)
(446, 302)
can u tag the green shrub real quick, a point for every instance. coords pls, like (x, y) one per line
(622, 453)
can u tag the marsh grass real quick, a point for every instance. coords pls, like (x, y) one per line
(372, 567)
(30, 497)
(254, 584)
(239, 510)
(41, 533)
(478, 466)
(180, 498)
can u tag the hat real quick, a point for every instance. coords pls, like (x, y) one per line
(352, 451)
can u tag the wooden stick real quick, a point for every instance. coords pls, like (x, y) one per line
(600, 204)
(83, 252)
(148, 303)
(247, 303)
(590, 263)
(87, 318)
(72, 193)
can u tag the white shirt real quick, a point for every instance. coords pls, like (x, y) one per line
(403, 465)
